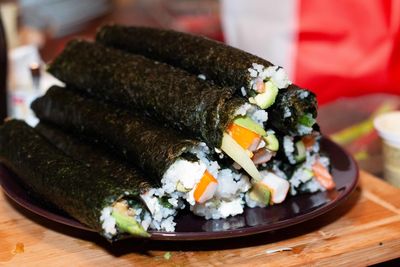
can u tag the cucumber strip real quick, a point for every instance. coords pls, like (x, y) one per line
(249, 124)
(239, 155)
(301, 151)
(266, 99)
(128, 224)
(272, 142)
(307, 120)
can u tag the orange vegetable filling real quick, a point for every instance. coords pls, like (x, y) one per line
(201, 187)
(308, 141)
(323, 176)
(243, 136)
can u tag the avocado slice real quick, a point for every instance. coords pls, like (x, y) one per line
(249, 124)
(301, 151)
(128, 224)
(272, 142)
(266, 99)
(260, 193)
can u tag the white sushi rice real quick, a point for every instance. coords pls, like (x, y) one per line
(108, 222)
(243, 91)
(287, 113)
(201, 76)
(303, 130)
(243, 109)
(302, 179)
(228, 199)
(231, 184)
(219, 208)
(185, 172)
(288, 148)
(303, 94)
(274, 73)
(316, 147)
(278, 171)
(202, 151)
(258, 115)
(160, 214)
(311, 186)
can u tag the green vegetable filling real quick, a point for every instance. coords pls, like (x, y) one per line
(164, 202)
(128, 224)
(307, 120)
(272, 142)
(300, 153)
(266, 99)
(249, 124)
(260, 193)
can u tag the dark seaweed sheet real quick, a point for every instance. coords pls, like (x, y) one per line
(171, 95)
(217, 61)
(139, 140)
(94, 156)
(226, 65)
(79, 190)
(289, 99)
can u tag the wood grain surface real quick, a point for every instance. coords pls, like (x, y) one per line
(362, 231)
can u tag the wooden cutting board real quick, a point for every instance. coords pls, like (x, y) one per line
(362, 231)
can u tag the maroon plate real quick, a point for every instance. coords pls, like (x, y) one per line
(254, 220)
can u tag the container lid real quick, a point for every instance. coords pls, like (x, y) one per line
(388, 127)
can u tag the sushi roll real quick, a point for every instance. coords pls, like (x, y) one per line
(184, 168)
(256, 79)
(216, 61)
(161, 210)
(108, 205)
(205, 111)
(294, 112)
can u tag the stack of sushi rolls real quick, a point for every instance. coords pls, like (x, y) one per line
(183, 167)
(292, 110)
(173, 121)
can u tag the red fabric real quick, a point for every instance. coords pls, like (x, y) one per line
(348, 47)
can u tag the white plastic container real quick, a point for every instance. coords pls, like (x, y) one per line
(388, 127)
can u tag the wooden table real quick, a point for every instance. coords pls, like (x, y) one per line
(362, 231)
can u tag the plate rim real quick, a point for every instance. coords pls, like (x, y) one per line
(185, 236)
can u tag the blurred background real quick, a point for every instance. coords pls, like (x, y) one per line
(346, 51)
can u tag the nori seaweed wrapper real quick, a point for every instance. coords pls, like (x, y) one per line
(79, 190)
(291, 101)
(137, 139)
(171, 95)
(94, 156)
(224, 64)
